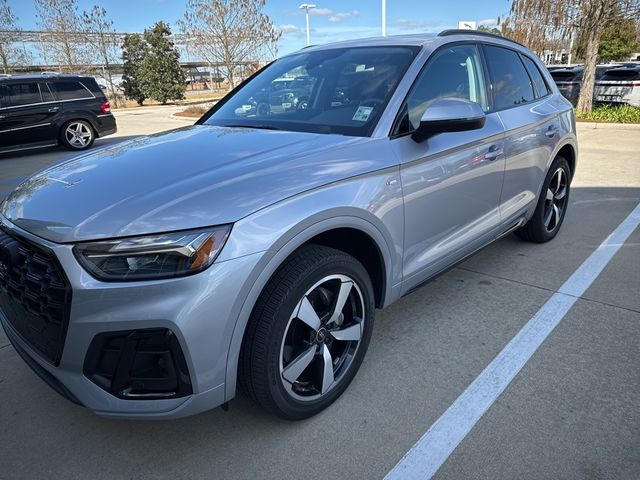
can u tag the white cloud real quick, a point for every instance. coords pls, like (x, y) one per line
(407, 25)
(488, 22)
(338, 17)
(320, 12)
(289, 28)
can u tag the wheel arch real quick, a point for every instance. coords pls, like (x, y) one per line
(72, 116)
(568, 152)
(330, 232)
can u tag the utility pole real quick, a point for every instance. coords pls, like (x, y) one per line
(384, 18)
(306, 7)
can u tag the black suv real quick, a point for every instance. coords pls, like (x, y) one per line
(45, 110)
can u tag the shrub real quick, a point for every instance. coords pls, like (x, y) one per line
(612, 113)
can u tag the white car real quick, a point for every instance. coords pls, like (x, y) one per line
(619, 85)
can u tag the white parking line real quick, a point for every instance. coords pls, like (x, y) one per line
(434, 447)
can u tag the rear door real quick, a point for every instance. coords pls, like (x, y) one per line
(451, 182)
(523, 102)
(29, 115)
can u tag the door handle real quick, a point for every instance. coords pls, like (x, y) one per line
(54, 109)
(493, 153)
(551, 131)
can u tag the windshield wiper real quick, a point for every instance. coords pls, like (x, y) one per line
(261, 127)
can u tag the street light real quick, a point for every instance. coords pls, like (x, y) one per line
(384, 18)
(306, 7)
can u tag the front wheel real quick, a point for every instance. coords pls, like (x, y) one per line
(308, 333)
(552, 205)
(77, 135)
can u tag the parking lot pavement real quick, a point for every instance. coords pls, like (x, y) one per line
(572, 412)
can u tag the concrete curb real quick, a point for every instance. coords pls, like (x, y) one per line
(183, 119)
(607, 126)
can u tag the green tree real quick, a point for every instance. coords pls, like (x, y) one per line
(161, 74)
(618, 41)
(134, 51)
(494, 30)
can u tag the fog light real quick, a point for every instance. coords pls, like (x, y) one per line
(138, 364)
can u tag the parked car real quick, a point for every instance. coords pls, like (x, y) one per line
(619, 86)
(149, 279)
(569, 79)
(39, 111)
(282, 94)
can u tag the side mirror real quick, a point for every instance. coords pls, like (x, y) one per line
(449, 115)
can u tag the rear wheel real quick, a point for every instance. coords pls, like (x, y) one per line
(77, 135)
(552, 205)
(308, 333)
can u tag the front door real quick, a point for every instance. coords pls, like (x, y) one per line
(451, 182)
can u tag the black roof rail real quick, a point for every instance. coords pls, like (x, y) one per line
(464, 31)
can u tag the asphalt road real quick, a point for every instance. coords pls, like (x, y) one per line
(572, 412)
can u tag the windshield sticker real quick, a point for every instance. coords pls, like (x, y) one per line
(362, 114)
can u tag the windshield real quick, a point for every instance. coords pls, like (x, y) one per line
(340, 91)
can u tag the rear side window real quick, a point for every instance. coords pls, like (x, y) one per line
(71, 90)
(511, 83)
(622, 74)
(18, 94)
(565, 76)
(540, 86)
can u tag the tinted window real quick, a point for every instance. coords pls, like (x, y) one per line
(71, 90)
(539, 84)
(47, 96)
(21, 94)
(453, 72)
(511, 83)
(622, 74)
(341, 90)
(566, 75)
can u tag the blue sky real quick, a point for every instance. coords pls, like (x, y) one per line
(332, 20)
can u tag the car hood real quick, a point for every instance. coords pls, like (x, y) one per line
(187, 178)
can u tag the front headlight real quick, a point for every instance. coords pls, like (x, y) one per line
(165, 255)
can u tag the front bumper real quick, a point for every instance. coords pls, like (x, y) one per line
(201, 310)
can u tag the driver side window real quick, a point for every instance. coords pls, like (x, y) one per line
(453, 72)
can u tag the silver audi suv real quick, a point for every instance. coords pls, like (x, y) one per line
(152, 278)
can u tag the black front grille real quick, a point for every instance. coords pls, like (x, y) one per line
(35, 294)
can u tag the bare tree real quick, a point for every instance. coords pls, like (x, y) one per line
(537, 22)
(65, 40)
(101, 37)
(10, 55)
(229, 32)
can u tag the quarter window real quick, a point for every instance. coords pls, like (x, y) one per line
(71, 90)
(511, 83)
(542, 90)
(18, 94)
(454, 72)
(47, 96)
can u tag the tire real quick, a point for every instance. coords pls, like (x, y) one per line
(552, 205)
(77, 135)
(284, 362)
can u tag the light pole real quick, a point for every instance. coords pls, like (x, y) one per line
(384, 18)
(306, 7)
